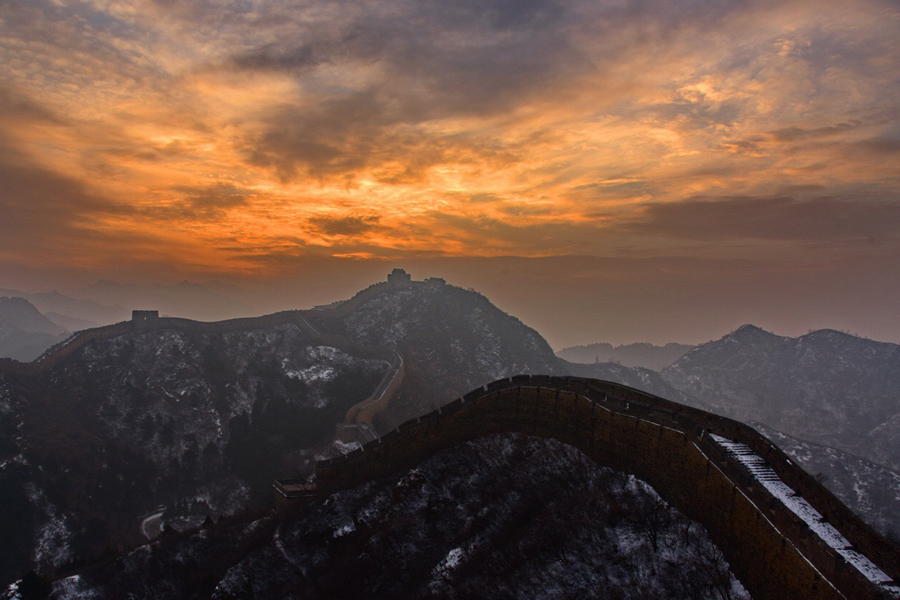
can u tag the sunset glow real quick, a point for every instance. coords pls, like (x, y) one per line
(229, 134)
(237, 138)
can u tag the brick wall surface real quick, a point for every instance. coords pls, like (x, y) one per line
(667, 445)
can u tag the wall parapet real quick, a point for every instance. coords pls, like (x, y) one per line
(772, 550)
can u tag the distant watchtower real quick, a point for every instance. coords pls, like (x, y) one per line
(399, 278)
(145, 320)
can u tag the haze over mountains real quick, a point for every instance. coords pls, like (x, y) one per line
(630, 355)
(81, 309)
(175, 425)
(24, 332)
(826, 387)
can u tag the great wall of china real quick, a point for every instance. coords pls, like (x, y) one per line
(357, 425)
(784, 535)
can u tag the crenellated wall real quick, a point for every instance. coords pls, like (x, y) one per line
(770, 549)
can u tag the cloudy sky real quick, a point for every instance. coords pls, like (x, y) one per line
(604, 169)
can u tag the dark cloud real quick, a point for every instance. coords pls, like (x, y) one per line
(17, 107)
(437, 60)
(271, 57)
(773, 218)
(520, 210)
(879, 145)
(338, 137)
(344, 226)
(791, 134)
(199, 203)
(484, 198)
(215, 197)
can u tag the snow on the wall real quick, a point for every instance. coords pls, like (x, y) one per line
(763, 473)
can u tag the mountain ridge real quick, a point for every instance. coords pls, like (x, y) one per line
(826, 386)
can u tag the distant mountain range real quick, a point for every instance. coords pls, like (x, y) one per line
(643, 355)
(80, 311)
(106, 302)
(826, 387)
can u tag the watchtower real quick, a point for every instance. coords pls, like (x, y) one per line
(399, 278)
(145, 320)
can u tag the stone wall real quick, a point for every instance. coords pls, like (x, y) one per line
(771, 550)
(56, 354)
(365, 411)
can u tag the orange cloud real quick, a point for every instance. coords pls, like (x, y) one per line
(210, 136)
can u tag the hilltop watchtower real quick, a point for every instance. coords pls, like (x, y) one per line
(145, 320)
(398, 278)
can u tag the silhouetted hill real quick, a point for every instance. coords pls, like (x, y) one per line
(827, 387)
(74, 308)
(630, 355)
(177, 422)
(18, 313)
(24, 332)
(141, 428)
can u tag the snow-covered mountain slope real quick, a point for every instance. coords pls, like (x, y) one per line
(178, 422)
(453, 340)
(828, 387)
(506, 516)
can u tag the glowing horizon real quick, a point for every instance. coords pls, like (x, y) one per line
(159, 140)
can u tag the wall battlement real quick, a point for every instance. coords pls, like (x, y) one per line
(770, 548)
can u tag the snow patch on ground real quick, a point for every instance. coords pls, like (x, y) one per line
(51, 549)
(73, 588)
(443, 569)
(12, 592)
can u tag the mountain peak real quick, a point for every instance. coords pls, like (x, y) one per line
(828, 334)
(20, 314)
(750, 332)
